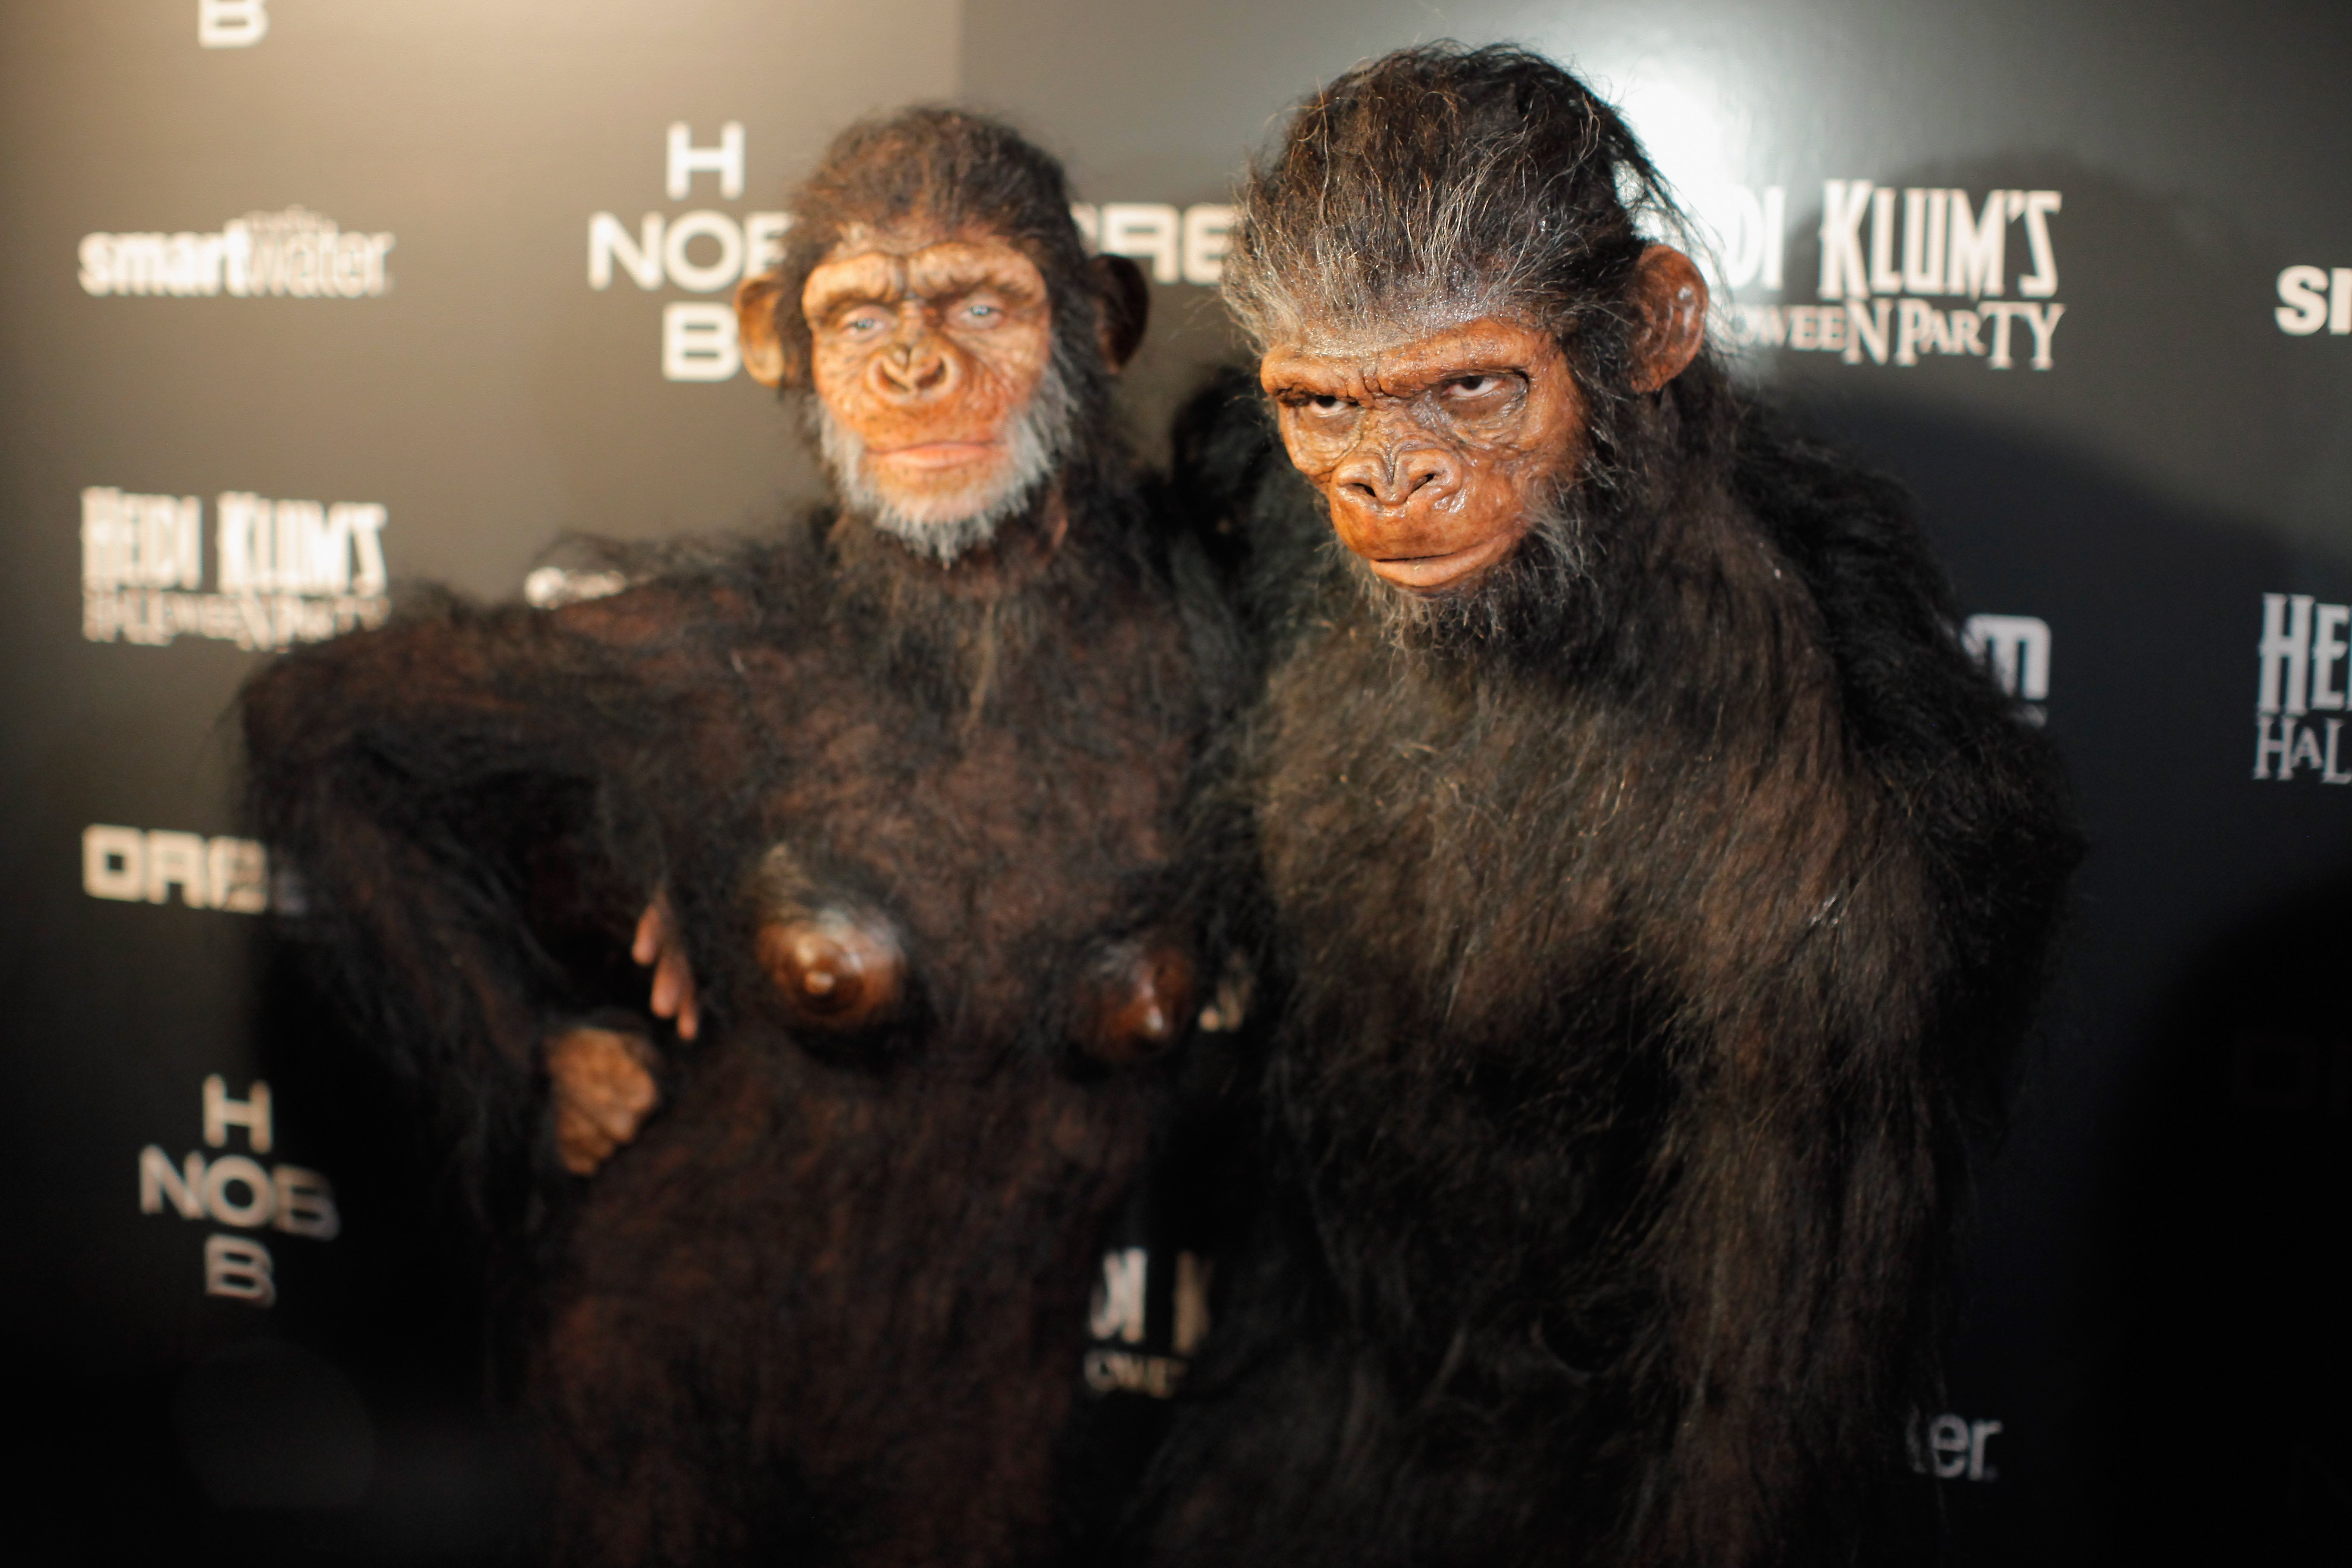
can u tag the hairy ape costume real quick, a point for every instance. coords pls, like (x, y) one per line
(1655, 888)
(905, 785)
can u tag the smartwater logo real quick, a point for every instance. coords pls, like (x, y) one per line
(1954, 1447)
(284, 571)
(295, 254)
(2302, 654)
(1891, 258)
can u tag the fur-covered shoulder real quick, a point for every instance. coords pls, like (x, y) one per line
(1913, 698)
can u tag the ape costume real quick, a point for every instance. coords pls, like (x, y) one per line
(831, 1305)
(1655, 917)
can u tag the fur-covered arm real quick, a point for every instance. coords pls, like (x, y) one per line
(1852, 1015)
(464, 793)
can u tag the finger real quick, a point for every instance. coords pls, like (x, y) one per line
(647, 944)
(666, 988)
(674, 990)
(616, 1123)
(580, 1144)
(638, 1098)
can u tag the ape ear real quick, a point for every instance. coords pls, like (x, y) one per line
(1125, 302)
(1672, 298)
(755, 327)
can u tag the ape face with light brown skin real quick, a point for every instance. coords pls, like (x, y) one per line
(926, 346)
(1435, 449)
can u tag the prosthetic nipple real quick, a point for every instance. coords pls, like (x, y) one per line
(1135, 1003)
(834, 971)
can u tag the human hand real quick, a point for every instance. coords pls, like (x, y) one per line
(660, 946)
(602, 1084)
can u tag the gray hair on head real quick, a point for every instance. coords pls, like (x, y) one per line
(1437, 184)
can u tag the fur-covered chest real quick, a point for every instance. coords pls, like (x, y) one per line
(1005, 847)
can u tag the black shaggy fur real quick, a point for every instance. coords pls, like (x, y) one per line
(1649, 950)
(830, 1306)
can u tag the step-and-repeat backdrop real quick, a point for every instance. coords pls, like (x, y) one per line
(303, 299)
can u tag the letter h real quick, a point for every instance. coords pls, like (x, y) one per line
(221, 1113)
(686, 160)
(2286, 646)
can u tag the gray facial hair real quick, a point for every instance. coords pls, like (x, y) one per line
(945, 527)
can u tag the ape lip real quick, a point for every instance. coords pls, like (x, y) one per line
(1427, 573)
(936, 454)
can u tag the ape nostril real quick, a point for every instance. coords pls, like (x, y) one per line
(1421, 474)
(911, 374)
(1396, 479)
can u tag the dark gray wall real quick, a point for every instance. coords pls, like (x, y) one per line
(2150, 1312)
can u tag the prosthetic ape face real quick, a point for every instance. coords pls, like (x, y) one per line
(1437, 450)
(942, 407)
(931, 363)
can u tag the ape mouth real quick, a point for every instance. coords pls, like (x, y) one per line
(927, 455)
(1436, 572)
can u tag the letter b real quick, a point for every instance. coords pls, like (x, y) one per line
(239, 1269)
(231, 24)
(699, 342)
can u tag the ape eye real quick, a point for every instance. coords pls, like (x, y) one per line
(834, 972)
(980, 313)
(863, 323)
(1323, 403)
(1470, 386)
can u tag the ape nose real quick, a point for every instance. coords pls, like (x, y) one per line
(1390, 477)
(912, 370)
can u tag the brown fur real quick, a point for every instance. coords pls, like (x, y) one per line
(830, 1306)
(1654, 921)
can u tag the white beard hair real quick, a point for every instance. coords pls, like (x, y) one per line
(944, 527)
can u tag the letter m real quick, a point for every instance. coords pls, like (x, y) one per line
(1978, 244)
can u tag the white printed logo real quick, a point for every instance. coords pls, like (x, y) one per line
(2302, 652)
(233, 873)
(294, 254)
(2016, 650)
(239, 1190)
(2311, 298)
(1888, 255)
(284, 571)
(1952, 1448)
(1124, 1358)
(707, 250)
(231, 24)
(702, 251)
(1187, 247)
(553, 587)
